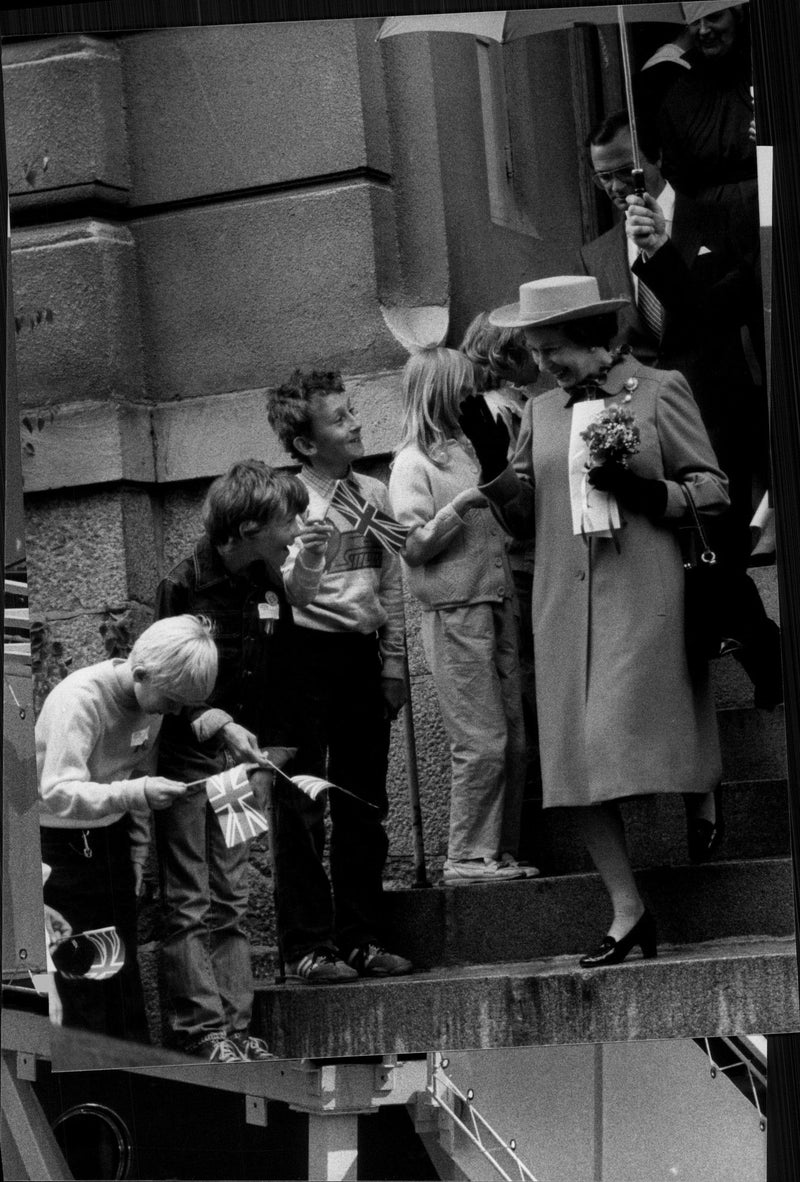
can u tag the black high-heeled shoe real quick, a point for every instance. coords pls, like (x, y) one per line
(703, 836)
(611, 951)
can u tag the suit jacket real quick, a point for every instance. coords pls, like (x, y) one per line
(709, 292)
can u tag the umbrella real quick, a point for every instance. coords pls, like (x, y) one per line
(511, 24)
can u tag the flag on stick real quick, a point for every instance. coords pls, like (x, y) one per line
(231, 797)
(311, 785)
(93, 955)
(367, 519)
(110, 954)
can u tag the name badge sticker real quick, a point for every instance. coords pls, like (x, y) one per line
(270, 609)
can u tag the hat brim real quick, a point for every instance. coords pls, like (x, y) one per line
(509, 315)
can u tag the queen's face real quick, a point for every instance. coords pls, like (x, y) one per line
(557, 355)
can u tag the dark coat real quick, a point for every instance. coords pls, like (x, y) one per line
(709, 294)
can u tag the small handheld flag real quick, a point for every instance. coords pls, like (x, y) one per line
(93, 955)
(230, 795)
(312, 785)
(367, 519)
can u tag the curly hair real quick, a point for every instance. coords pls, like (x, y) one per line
(288, 406)
(498, 354)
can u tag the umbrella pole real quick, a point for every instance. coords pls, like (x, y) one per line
(420, 874)
(638, 173)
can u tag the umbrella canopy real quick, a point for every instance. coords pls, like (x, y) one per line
(511, 24)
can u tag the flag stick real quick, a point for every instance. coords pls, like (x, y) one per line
(274, 767)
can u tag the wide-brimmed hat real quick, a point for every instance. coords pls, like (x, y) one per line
(553, 301)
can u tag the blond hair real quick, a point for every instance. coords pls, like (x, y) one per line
(435, 381)
(179, 655)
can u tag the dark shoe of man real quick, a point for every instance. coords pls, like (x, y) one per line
(370, 960)
(320, 967)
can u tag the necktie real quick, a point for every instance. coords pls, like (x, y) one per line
(652, 310)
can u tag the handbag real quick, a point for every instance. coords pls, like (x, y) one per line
(707, 587)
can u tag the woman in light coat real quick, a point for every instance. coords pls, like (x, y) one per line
(619, 713)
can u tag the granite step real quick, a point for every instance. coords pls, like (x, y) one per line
(733, 985)
(567, 914)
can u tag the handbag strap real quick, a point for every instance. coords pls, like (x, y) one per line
(708, 556)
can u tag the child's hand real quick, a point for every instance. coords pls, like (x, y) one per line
(394, 696)
(315, 535)
(470, 498)
(55, 925)
(242, 744)
(161, 793)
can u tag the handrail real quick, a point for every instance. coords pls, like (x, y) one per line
(472, 1123)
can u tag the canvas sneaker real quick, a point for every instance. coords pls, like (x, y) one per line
(527, 868)
(370, 960)
(320, 967)
(253, 1049)
(216, 1047)
(479, 870)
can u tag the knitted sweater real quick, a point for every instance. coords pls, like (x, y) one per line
(361, 589)
(451, 559)
(94, 750)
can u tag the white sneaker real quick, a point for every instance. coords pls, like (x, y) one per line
(527, 868)
(478, 870)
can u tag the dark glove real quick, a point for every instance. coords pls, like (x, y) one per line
(636, 493)
(487, 435)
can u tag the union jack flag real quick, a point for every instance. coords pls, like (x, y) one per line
(109, 956)
(231, 797)
(312, 785)
(368, 519)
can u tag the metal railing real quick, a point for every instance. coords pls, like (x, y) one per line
(459, 1106)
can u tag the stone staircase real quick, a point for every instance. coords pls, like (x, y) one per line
(497, 965)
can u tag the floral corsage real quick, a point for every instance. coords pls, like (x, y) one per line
(612, 438)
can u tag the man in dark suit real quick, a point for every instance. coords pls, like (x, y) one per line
(691, 294)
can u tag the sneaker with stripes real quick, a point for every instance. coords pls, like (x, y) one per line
(253, 1049)
(216, 1047)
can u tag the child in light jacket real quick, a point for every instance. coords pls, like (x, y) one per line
(458, 569)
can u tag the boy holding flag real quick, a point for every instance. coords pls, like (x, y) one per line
(251, 517)
(349, 646)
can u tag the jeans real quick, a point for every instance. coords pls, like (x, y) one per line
(97, 891)
(205, 951)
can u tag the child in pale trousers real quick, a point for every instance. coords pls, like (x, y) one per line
(458, 569)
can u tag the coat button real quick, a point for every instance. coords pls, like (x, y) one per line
(498, 562)
(581, 575)
(501, 591)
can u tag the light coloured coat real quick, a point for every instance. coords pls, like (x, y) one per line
(618, 713)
